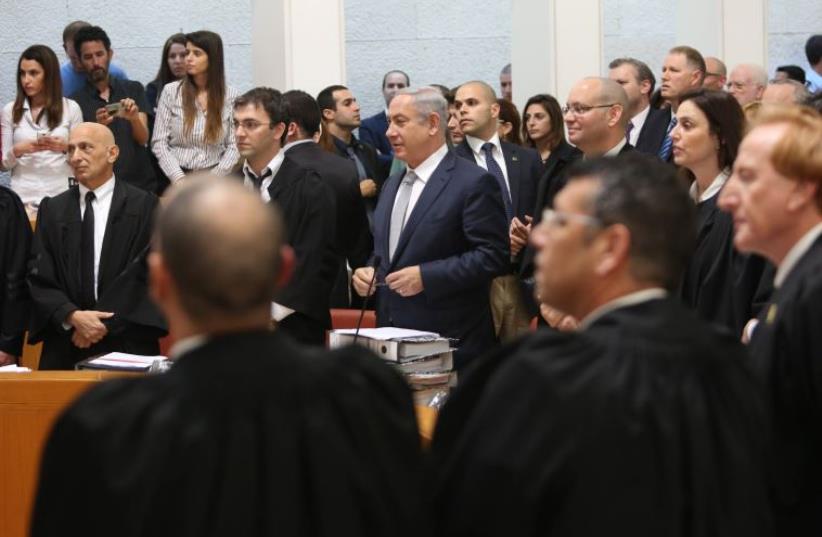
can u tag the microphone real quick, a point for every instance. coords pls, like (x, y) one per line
(376, 262)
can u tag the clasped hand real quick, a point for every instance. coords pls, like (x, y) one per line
(405, 282)
(88, 327)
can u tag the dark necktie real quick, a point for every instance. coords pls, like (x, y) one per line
(87, 255)
(258, 181)
(667, 143)
(628, 130)
(494, 169)
(361, 173)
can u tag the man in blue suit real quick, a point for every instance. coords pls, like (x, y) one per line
(372, 129)
(440, 233)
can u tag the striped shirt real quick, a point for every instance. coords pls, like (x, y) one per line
(176, 150)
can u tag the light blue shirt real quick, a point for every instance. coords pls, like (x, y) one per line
(74, 81)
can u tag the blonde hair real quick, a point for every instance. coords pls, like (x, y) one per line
(797, 153)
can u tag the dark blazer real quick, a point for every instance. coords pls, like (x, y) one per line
(372, 132)
(310, 213)
(553, 176)
(524, 168)
(653, 131)
(260, 435)
(15, 245)
(368, 156)
(786, 349)
(457, 235)
(54, 278)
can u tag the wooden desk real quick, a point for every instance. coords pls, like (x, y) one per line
(29, 403)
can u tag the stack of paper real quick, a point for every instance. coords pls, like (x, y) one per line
(120, 361)
(424, 358)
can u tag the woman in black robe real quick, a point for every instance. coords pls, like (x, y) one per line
(722, 285)
(15, 245)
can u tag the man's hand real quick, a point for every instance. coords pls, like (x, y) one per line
(103, 116)
(88, 324)
(406, 282)
(557, 319)
(7, 359)
(129, 109)
(518, 234)
(79, 341)
(362, 279)
(368, 188)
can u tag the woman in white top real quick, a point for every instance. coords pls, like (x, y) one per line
(35, 129)
(192, 130)
(722, 285)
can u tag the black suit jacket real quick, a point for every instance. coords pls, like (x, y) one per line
(310, 213)
(653, 131)
(248, 434)
(524, 168)
(15, 245)
(54, 278)
(786, 350)
(372, 132)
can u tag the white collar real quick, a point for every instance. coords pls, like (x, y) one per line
(427, 166)
(796, 253)
(713, 189)
(272, 166)
(639, 119)
(631, 299)
(186, 345)
(477, 143)
(614, 151)
(100, 192)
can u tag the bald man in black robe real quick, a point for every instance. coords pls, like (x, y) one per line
(249, 433)
(643, 423)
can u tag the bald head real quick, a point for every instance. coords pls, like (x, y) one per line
(477, 109)
(597, 116)
(220, 245)
(784, 92)
(91, 153)
(716, 74)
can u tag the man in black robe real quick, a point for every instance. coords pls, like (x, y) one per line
(248, 434)
(88, 272)
(775, 197)
(15, 245)
(644, 423)
(308, 206)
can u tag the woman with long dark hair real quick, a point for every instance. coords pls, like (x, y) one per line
(721, 284)
(510, 123)
(192, 129)
(172, 67)
(35, 129)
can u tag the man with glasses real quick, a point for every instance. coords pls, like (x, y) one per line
(308, 207)
(646, 422)
(596, 116)
(716, 74)
(747, 83)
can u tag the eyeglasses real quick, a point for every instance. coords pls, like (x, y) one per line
(560, 219)
(249, 125)
(580, 109)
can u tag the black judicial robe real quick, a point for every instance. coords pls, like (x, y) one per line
(122, 287)
(647, 423)
(723, 285)
(247, 435)
(786, 350)
(15, 245)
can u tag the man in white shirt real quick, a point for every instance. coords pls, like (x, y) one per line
(775, 197)
(308, 206)
(596, 117)
(88, 275)
(440, 233)
(647, 126)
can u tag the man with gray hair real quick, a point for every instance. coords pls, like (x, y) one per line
(506, 86)
(647, 125)
(570, 434)
(249, 433)
(784, 91)
(747, 83)
(440, 233)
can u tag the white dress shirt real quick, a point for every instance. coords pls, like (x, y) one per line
(639, 122)
(795, 254)
(479, 155)
(278, 311)
(43, 173)
(713, 189)
(101, 206)
(423, 172)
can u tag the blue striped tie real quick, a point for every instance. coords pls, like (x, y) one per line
(667, 143)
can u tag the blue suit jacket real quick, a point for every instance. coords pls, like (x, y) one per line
(456, 233)
(372, 132)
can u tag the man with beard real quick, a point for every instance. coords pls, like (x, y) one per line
(119, 104)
